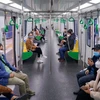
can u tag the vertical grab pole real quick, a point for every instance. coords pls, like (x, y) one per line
(85, 47)
(4, 34)
(92, 36)
(22, 32)
(50, 44)
(79, 35)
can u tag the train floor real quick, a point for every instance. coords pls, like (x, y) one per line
(52, 80)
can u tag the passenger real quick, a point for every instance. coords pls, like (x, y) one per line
(37, 33)
(32, 47)
(91, 91)
(96, 52)
(42, 29)
(87, 75)
(36, 28)
(65, 37)
(65, 32)
(34, 41)
(46, 28)
(52, 26)
(8, 93)
(68, 45)
(9, 75)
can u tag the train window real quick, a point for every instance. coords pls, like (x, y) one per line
(88, 35)
(76, 27)
(96, 32)
(25, 27)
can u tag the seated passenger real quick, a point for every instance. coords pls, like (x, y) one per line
(8, 93)
(87, 75)
(96, 52)
(68, 45)
(9, 75)
(65, 37)
(37, 33)
(46, 28)
(42, 29)
(65, 32)
(34, 40)
(91, 91)
(32, 47)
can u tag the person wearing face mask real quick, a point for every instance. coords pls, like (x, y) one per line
(68, 44)
(9, 75)
(96, 54)
(32, 47)
(34, 40)
(91, 90)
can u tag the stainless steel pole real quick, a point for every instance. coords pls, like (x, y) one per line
(4, 34)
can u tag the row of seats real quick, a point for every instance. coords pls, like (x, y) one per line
(26, 55)
(88, 79)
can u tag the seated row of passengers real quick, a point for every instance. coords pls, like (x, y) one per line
(66, 44)
(10, 75)
(89, 78)
(39, 32)
(31, 46)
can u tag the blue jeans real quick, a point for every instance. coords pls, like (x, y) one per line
(62, 52)
(82, 78)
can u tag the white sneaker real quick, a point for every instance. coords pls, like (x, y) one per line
(39, 61)
(44, 56)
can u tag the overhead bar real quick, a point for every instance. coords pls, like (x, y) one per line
(51, 12)
(11, 11)
(90, 11)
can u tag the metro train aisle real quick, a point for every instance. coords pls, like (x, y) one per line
(52, 80)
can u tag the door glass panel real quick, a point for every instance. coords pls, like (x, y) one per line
(9, 42)
(96, 32)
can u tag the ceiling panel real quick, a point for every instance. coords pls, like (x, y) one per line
(44, 5)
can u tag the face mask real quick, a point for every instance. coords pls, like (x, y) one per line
(97, 64)
(1, 52)
(68, 35)
(30, 37)
(96, 54)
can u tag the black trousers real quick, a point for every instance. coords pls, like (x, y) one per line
(8, 95)
(38, 51)
(83, 96)
(43, 37)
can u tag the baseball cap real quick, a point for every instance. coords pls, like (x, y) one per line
(96, 47)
